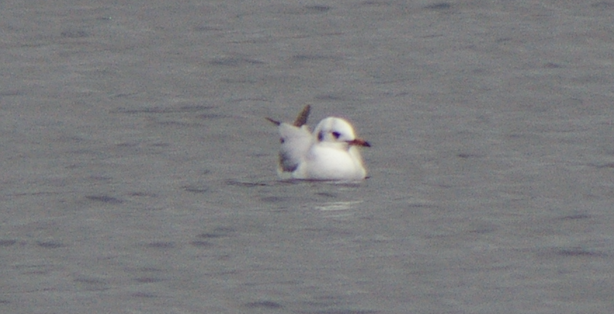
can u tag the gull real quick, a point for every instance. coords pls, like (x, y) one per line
(331, 152)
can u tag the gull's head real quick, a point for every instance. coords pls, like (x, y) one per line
(337, 130)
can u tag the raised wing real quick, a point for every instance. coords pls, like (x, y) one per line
(295, 143)
(295, 138)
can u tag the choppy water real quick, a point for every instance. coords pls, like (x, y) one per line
(138, 172)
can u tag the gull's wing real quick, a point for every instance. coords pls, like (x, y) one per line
(295, 143)
(301, 119)
(295, 140)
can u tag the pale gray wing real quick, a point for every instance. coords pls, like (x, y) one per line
(295, 143)
(295, 140)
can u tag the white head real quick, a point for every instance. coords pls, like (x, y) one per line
(337, 130)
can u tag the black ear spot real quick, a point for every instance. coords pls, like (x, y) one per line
(336, 134)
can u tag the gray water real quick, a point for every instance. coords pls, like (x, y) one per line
(138, 172)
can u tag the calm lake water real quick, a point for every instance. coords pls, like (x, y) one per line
(138, 171)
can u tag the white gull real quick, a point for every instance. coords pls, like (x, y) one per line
(329, 153)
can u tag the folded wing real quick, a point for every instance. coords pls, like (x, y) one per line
(296, 139)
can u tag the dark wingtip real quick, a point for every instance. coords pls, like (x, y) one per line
(302, 117)
(273, 121)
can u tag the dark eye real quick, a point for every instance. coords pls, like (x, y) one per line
(336, 134)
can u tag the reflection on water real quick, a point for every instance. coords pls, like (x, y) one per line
(342, 209)
(336, 206)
